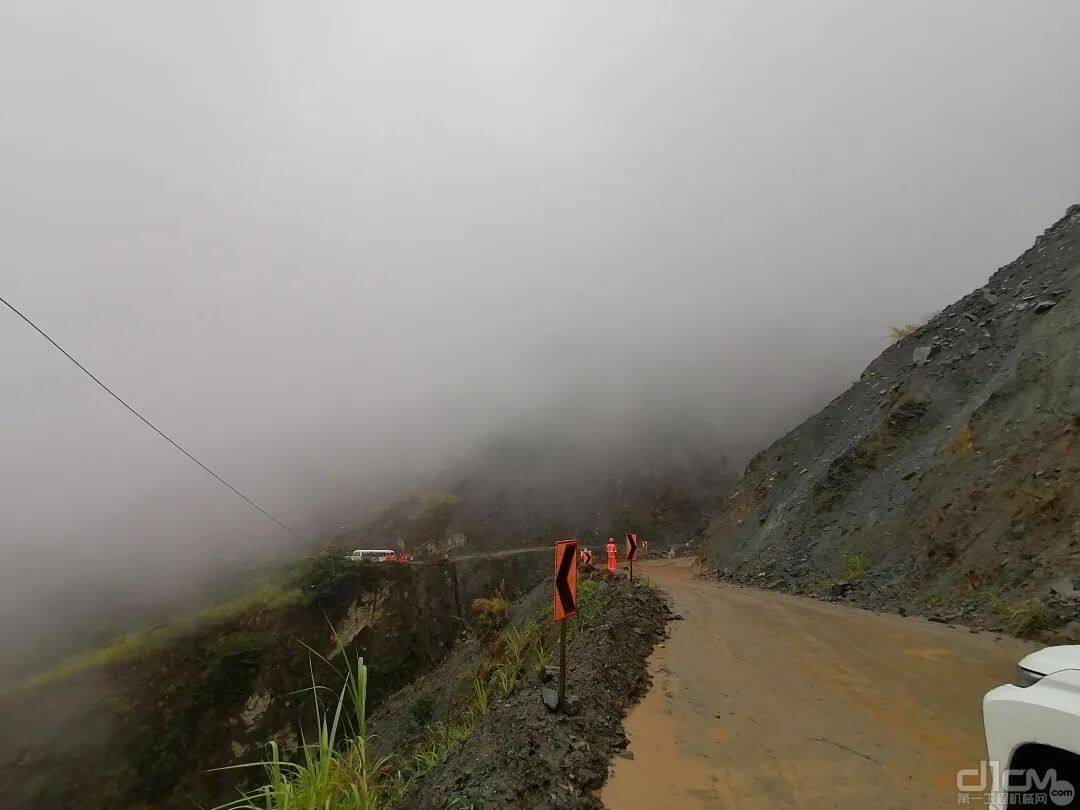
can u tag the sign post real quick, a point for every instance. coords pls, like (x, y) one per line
(565, 605)
(631, 551)
(562, 665)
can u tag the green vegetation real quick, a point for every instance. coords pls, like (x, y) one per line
(230, 663)
(1021, 617)
(491, 614)
(300, 585)
(516, 652)
(904, 330)
(854, 566)
(589, 608)
(144, 642)
(1025, 618)
(338, 771)
(938, 599)
(422, 711)
(964, 442)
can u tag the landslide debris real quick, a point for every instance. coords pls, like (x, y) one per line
(946, 480)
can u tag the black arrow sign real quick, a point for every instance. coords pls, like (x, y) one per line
(631, 546)
(564, 592)
(566, 555)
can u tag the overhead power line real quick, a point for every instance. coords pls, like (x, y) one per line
(150, 424)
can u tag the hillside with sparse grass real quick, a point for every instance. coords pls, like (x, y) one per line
(143, 721)
(946, 480)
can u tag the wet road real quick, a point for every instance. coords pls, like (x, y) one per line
(762, 700)
(513, 552)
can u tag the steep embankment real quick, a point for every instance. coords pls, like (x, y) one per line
(138, 724)
(946, 480)
(514, 752)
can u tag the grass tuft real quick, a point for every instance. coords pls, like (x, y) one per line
(854, 566)
(938, 599)
(964, 442)
(335, 772)
(1019, 616)
(492, 614)
(904, 330)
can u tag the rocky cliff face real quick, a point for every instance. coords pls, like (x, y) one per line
(946, 480)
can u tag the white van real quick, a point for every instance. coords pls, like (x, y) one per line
(372, 555)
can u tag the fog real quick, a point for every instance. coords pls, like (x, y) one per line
(329, 247)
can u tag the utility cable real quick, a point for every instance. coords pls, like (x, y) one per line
(150, 424)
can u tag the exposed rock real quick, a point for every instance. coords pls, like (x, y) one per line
(551, 698)
(840, 588)
(255, 708)
(921, 356)
(1064, 587)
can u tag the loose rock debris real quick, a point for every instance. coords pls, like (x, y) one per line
(523, 755)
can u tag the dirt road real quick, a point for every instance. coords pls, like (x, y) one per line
(762, 700)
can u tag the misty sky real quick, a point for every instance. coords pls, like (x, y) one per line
(327, 243)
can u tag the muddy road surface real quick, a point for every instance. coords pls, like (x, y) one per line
(763, 700)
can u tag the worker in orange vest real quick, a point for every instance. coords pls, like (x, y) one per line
(612, 555)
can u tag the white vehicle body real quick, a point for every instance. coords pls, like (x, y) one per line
(1032, 727)
(372, 554)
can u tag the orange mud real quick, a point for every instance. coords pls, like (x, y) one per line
(762, 700)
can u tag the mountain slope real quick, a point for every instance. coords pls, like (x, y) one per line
(525, 490)
(947, 478)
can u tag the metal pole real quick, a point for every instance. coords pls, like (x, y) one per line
(631, 569)
(562, 664)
